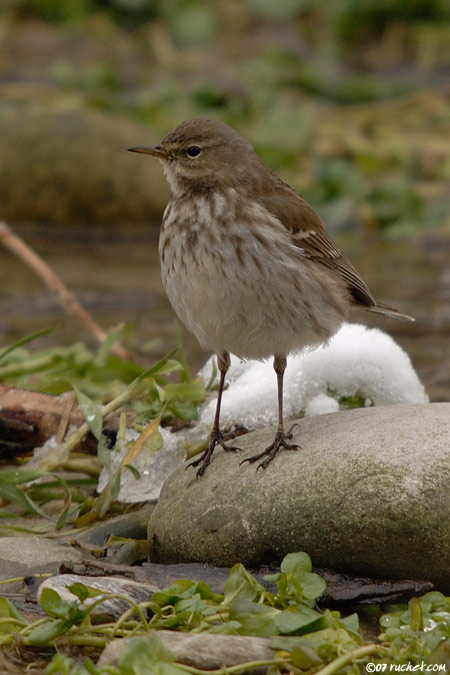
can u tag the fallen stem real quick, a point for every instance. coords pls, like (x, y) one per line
(11, 620)
(15, 580)
(85, 640)
(337, 664)
(230, 670)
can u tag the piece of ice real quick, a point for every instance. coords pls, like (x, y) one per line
(154, 467)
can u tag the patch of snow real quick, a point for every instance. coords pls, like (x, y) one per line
(357, 361)
(321, 405)
(50, 454)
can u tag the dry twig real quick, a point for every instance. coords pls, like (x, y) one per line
(13, 243)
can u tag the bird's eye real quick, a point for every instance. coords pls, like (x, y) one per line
(193, 151)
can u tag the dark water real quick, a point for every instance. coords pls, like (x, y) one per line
(115, 275)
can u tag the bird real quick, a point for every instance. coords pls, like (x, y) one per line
(247, 264)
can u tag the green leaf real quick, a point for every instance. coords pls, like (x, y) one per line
(255, 619)
(173, 593)
(183, 410)
(296, 583)
(186, 391)
(241, 584)
(227, 628)
(288, 643)
(136, 473)
(298, 620)
(82, 592)
(103, 453)
(61, 664)
(331, 637)
(272, 577)
(8, 530)
(154, 442)
(190, 604)
(179, 621)
(147, 656)
(415, 609)
(115, 485)
(112, 336)
(66, 615)
(91, 413)
(305, 657)
(89, 668)
(19, 476)
(437, 600)
(8, 611)
(162, 366)
(312, 585)
(161, 598)
(212, 376)
(66, 512)
(46, 632)
(53, 605)
(293, 563)
(167, 367)
(390, 621)
(207, 593)
(13, 494)
(351, 623)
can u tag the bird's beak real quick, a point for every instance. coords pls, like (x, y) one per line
(155, 150)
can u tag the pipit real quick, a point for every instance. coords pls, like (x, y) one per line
(247, 264)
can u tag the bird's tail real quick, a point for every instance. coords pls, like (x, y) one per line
(389, 312)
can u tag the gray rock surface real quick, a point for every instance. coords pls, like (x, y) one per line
(29, 555)
(367, 494)
(110, 608)
(204, 650)
(132, 525)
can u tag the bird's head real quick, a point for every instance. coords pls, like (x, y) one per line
(202, 154)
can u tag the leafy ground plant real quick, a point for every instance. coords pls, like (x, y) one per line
(304, 639)
(102, 383)
(102, 376)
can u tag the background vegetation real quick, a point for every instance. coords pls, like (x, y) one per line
(348, 100)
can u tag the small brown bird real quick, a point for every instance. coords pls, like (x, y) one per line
(246, 262)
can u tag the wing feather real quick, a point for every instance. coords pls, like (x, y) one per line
(308, 233)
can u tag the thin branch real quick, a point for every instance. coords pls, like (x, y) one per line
(66, 298)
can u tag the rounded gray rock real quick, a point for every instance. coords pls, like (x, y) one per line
(72, 166)
(367, 493)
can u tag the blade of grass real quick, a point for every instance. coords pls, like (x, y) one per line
(112, 336)
(25, 340)
(16, 496)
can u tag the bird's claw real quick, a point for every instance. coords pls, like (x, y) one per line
(269, 453)
(204, 460)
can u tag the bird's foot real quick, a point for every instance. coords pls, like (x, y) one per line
(204, 460)
(269, 453)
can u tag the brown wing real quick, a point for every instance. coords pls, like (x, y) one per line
(309, 233)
